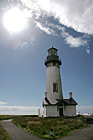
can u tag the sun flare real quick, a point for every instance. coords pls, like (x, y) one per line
(14, 20)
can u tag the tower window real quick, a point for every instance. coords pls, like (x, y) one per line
(54, 63)
(55, 87)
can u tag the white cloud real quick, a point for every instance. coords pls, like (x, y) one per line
(88, 51)
(74, 41)
(85, 109)
(69, 13)
(19, 110)
(77, 15)
(69, 39)
(45, 29)
(24, 45)
(3, 103)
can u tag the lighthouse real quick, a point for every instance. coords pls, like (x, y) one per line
(54, 105)
(53, 83)
(53, 78)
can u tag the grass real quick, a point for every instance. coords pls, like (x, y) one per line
(3, 134)
(7, 117)
(41, 126)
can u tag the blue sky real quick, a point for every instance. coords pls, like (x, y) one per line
(62, 24)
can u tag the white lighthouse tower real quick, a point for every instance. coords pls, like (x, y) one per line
(53, 84)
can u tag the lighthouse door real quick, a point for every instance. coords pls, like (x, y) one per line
(61, 111)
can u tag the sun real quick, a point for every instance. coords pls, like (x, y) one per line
(14, 20)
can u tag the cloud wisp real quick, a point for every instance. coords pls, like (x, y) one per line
(85, 109)
(3, 103)
(18, 110)
(74, 41)
(49, 28)
(77, 16)
(68, 14)
(6, 109)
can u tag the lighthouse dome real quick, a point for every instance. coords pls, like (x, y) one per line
(52, 57)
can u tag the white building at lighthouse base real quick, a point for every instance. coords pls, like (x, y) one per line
(63, 107)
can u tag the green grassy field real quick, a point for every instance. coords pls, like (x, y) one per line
(3, 134)
(41, 126)
(6, 117)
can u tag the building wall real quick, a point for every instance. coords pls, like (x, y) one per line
(44, 111)
(53, 76)
(40, 112)
(51, 111)
(69, 110)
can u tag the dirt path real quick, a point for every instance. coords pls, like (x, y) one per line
(16, 133)
(84, 134)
